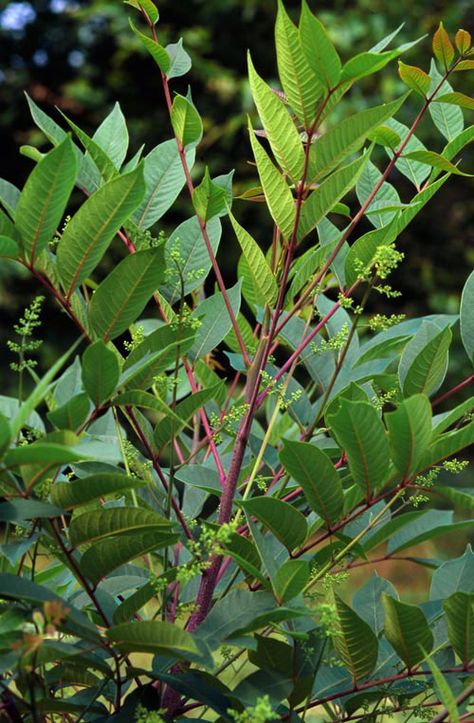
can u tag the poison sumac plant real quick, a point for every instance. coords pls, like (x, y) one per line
(208, 514)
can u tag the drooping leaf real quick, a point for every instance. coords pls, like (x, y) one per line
(360, 432)
(444, 689)
(261, 273)
(92, 229)
(323, 199)
(409, 430)
(146, 5)
(124, 293)
(429, 525)
(106, 555)
(415, 78)
(314, 471)
(298, 80)
(281, 131)
(186, 121)
(459, 609)
(153, 636)
(284, 521)
(424, 360)
(354, 641)
(104, 165)
(47, 453)
(44, 197)
(321, 54)
(78, 493)
(407, 630)
(99, 524)
(414, 171)
(164, 178)
(100, 372)
(466, 317)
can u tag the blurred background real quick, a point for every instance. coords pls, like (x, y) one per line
(81, 56)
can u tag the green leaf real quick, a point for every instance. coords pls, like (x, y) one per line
(164, 178)
(153, 636)
(72, 414)
(262, 275)
(13, 587)
(91, 230)
(445, 693)
(321, 54)
(314, 471)
(194, 260)
(43, 453)
(361, 254)
(209, 199)
(409, 433)
(44, 197)
(463, 41)
(103, 163)
(459, 609)
(180, 62)
(100, 372)
(323, 199)
(430, 525)
(452, 576)
(448, 119)
(360, 432)
(277, 193)
(442, 47)
(106, 555)
(466, 317)
(348, 136)
(39, 392)
(456, 98)
(367, 601)
(407, 631)
(153, 355)
(354, 641)
(9, 248)
(125, 292)
(144, 400)
(78, 493)
(19, 510)
(448, 444)
(166, 428)
(365, 64)
(284, 521)
(186, 121)
(384, 136)
(281, 131)
(424, 360)
(133, 603)
(298, 80)
(291, 578)
(415, 78)
(215, 321)
(435, 160)
(5, 433)
(148, 6)
(157, 51)
(414, 171)
(98, 524)
(9, 195)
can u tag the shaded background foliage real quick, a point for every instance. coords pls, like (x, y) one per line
(80, 55)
